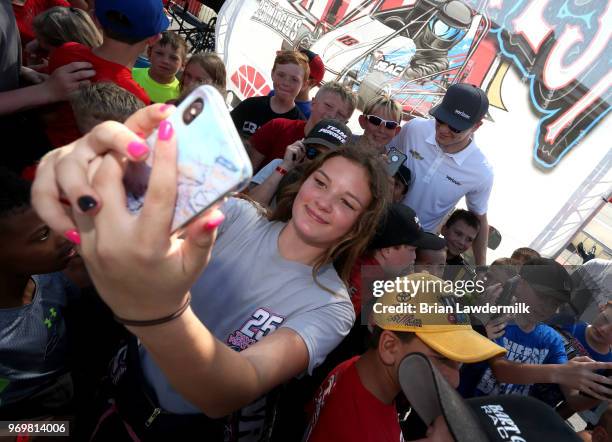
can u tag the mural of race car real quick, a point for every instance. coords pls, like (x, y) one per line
(412, 52)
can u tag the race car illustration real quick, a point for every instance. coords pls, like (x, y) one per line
(412, 52)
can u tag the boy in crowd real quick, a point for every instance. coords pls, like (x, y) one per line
(100, 102)
(167, 57)
(380, 122)
(127, 28)
(289, 74)
(459, 230)
(333, 101)
(536, 353)
(326, 135)
(392, 251)
(317, 71)
(367, 385)
(33, 342)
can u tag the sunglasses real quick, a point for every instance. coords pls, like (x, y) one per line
(377, 121)
(452, 129)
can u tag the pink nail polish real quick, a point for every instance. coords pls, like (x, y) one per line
(137, 149)
(214, 222)
(73, 236)
(165, 107)
(165, 131)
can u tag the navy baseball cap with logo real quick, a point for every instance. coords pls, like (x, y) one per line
(483, 419)
(134, 19)
(462, 107)
(329, 133)
(401, 226)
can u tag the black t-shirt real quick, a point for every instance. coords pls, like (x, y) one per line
(254, 112)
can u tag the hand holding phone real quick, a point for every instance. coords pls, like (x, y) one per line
(211, 159)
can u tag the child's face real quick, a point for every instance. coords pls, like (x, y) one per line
(379, 135)
(195, 74)
(29, 247)
(459, 237)
(602, 327)
(287, 80)
(165, 60)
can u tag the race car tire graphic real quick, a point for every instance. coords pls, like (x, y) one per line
(250, 82)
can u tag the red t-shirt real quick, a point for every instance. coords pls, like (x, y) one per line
(26, 13)
(356, 279)
(345, 411)
(272, 138)
(61, 127)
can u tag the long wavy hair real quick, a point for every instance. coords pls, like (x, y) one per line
(346, 250)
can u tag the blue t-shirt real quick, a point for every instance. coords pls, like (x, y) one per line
(304, 106)
(578, 331)
(542, 346)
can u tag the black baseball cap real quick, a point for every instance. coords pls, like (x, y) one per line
(481, 419)
(462, 107)
(401, 226)
(547, 277)
(329, 133)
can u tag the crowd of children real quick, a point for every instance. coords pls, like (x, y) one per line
(277, 332)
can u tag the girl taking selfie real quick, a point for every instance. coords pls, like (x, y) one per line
(219, 327)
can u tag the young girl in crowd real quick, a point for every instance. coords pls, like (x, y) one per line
(204, 69)
(59, 25)
(269, 305)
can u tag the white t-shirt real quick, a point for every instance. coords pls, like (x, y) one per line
(249, 290)
(439, 180)
(266, 171)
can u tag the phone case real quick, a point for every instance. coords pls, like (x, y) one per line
(212, 161)
(395, 159)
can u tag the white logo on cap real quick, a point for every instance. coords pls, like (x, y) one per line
(462, 114)
(416, 220)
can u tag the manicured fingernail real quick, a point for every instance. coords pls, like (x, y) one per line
(137, 149)
(86, 203)
(73, 236)
(165, 131)
(215, 221)
(165, 107)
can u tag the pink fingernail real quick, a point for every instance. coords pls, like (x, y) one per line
(165, 107)
(165, 131)
(73, 236)
(137, 149)
(214, 222)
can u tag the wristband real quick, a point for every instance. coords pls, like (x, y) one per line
(150, 322)
(281, 170)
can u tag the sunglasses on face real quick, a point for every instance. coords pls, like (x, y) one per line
(452, 129)
(377, 121)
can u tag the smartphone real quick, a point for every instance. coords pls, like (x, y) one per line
(394, 160)
(212, 161)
